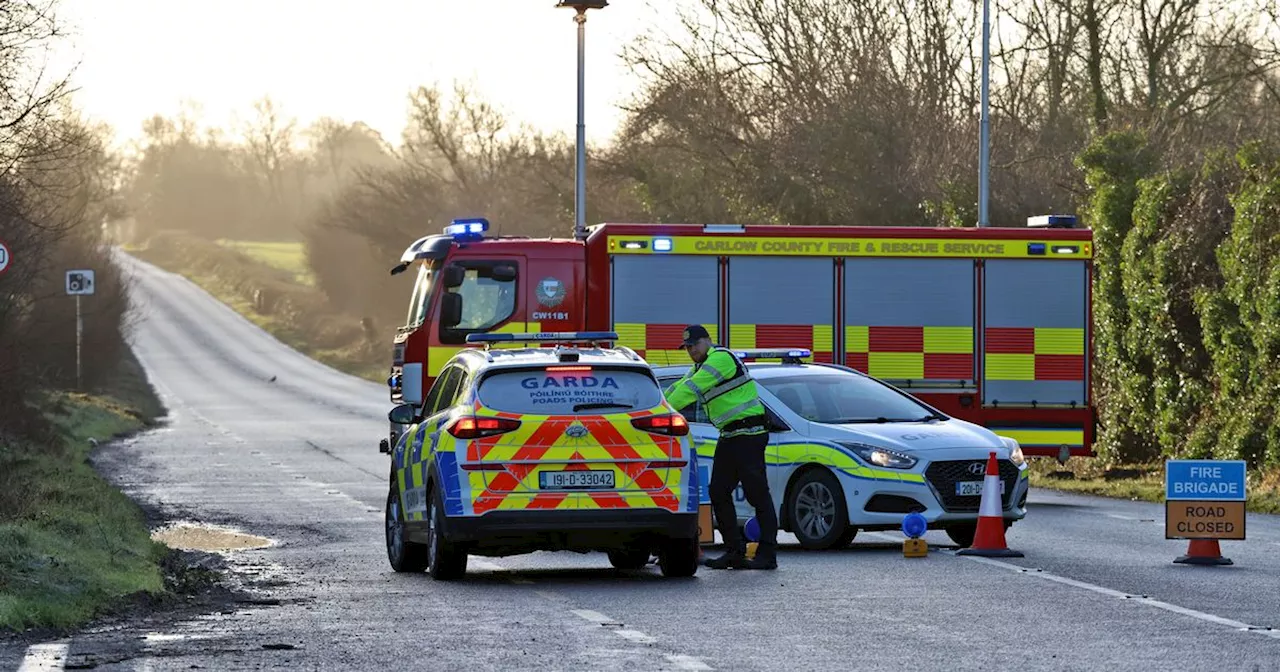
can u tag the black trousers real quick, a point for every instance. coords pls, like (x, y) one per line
(740, 459)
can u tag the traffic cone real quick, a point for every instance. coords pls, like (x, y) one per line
(989, 539)
(1203, 552)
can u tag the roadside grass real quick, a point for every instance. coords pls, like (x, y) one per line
(260, 282)
(1138, 482)
(71, 545)
(286, 256)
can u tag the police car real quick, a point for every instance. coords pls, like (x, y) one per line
(849, 452)
(549, 447)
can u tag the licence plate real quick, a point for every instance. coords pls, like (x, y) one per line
(973, 488)
(574, 480)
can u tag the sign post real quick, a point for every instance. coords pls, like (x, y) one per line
(4, 257)
(79, 283)
(1204, 502)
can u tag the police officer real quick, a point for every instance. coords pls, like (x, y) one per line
(722, 384)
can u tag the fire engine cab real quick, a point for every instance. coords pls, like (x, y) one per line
(990, 325)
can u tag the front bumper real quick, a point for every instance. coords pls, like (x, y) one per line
(882, 505)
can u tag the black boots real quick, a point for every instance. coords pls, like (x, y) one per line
(766, 558)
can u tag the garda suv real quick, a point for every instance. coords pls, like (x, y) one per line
(550, 447)
(849, 452)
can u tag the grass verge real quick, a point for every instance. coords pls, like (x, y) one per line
(1138, 482)
(71, 545)
(260, 281)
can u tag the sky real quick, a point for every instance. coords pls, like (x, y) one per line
(356, 60)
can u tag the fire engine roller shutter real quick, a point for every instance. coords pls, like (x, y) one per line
(910, 321)
(1034, 332)
(782, 303)
(656, 297)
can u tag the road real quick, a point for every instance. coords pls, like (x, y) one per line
(295, 460)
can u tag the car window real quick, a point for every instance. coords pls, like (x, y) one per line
(569, 390)
(837, 397)
(694, 412)
(439, 397)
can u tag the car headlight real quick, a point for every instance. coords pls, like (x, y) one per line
(882, 457)
(1015, 451)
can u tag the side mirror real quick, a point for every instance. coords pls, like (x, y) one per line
(504, 273)
(453, 275)
(403, 415)
(450, 309)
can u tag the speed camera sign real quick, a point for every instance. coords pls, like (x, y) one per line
(80, 283)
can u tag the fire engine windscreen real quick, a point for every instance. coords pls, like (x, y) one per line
(843, 398)
(569, 390)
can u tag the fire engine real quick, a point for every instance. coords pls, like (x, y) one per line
(990, 325)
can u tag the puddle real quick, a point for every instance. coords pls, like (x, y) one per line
(211, 538)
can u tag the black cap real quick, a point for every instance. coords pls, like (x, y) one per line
(694, 333)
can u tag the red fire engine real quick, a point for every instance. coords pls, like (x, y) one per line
(989, 325)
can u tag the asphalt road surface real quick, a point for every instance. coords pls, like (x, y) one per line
(295, 460)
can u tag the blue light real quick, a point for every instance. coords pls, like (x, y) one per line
(393, 381)
(752, 529)
(467, 229)
(1052, 222)
(914, 525)
(662, 244)
(1035, 248)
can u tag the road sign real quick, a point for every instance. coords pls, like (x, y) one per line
(80, 283)
(1205, 499)
(4, 257)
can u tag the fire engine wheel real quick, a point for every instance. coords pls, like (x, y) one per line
(629, 558)
(819, 516)
(679, 557)
(404, 555)
(446, 560)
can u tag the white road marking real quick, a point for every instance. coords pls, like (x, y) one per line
(1141, 599)
(635, 636)
(487, 566)
(687, 662)
(593, 616)
(49, 656)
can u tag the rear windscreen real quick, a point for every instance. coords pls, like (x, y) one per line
(569, 391)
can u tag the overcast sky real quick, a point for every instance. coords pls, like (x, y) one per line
(350, 59)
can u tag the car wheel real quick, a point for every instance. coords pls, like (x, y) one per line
(963, 534)
(629, 558)
(404, 555)
(447, 560)
(678, 557)
(819, 516)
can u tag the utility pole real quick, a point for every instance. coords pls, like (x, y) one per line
(580, 173)
(984, 150)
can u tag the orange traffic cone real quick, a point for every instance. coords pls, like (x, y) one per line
(989, 539)
(1203, 552)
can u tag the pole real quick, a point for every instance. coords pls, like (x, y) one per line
(984, 151)
(79, 333)
(580, 195)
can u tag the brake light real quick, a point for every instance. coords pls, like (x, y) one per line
(565, 369)
(670, 464)
(484, 466)
(475, 428)
(671, 425)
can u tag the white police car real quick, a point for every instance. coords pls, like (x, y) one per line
(849, 452)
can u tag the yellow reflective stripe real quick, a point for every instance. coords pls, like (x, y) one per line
(1055, 341)
(948, 340)
(630, 335)
(792, 246)
(816, 453)
(1003, 366)
(824, 338)
(896, 364)
(1043, 437)
(742, 335)
(857, 339)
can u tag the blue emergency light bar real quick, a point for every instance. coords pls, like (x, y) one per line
(545, 337)
(1052, 222)
(662, 244)
(467, 229)
(786, 355)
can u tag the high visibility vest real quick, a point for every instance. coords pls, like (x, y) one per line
(726, 389)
